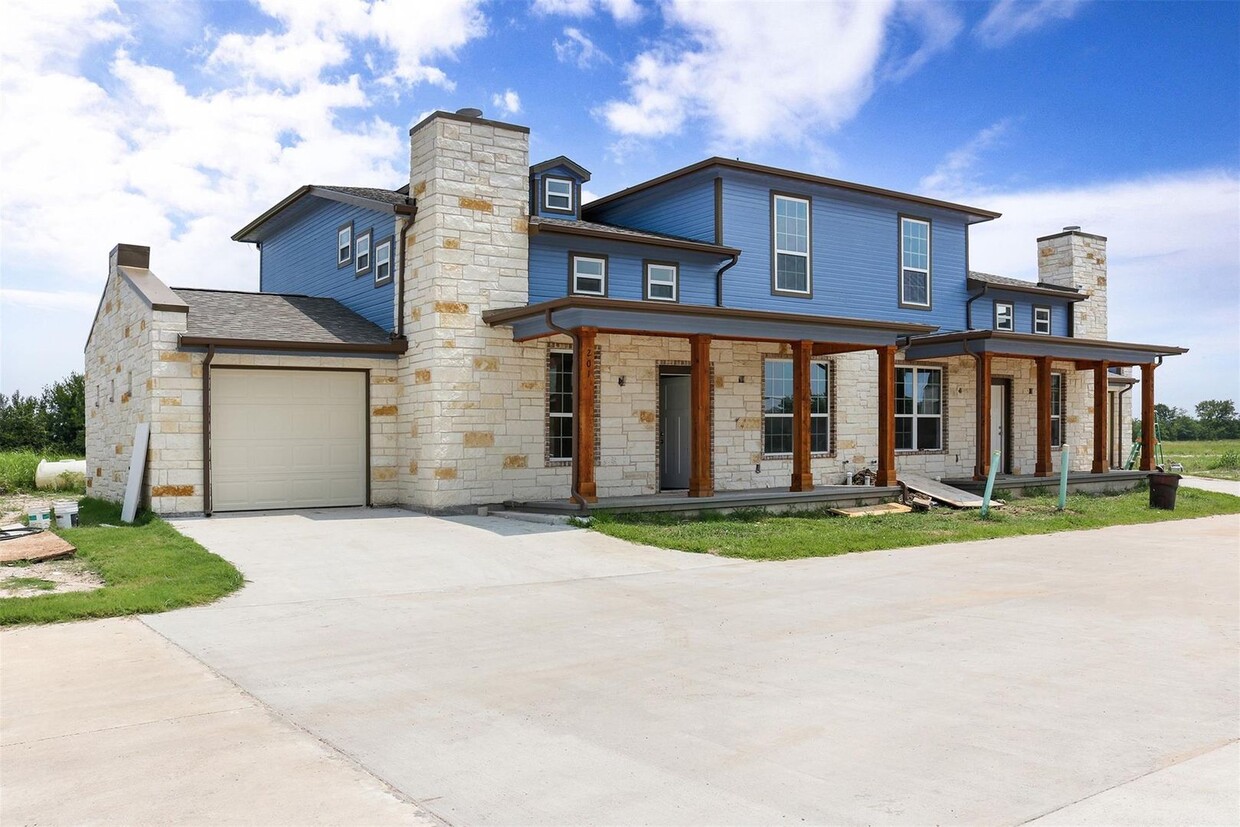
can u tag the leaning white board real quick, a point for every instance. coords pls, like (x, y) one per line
(939, 491)
(137, 469)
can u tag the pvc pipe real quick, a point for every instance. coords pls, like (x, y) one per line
(990, 482)
(1063, 479)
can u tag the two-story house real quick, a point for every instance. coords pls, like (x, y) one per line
(481, 336)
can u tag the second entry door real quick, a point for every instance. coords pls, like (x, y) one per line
(674, 431)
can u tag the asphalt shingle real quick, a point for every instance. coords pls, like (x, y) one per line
(276, 317)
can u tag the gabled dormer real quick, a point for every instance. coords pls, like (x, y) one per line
(555, 188)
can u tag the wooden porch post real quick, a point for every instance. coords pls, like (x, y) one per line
(802, 473)
(701, 477)
(886, 416)
(1042, 468)
(1100, 418)
(1147, 417)
(982, 467)
(583, 416)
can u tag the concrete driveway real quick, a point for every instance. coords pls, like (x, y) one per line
(500, 672)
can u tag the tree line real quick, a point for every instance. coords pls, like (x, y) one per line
(1215, 419)
(53, 422)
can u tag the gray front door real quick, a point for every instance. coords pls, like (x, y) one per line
(674, 424)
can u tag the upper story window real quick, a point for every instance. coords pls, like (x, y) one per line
(1004, 316)
(919, 409)
(557, 194)
(362, 255)
(383, 262)
(777, 404)
(344, 245)
(662, 281)
(790, 245)
(914, 263)
(587, 275)
(1042, 321)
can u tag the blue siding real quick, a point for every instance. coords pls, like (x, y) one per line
(625, 274)
(537, 202)
(855, 246)
(300, 257)
(684, 207)
(1022, 310)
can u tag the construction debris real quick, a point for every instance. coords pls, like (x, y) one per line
(23, 544)
(871, 510)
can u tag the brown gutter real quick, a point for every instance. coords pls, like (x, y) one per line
(651, 239)
(719, 279)
(968, 306)
(1001, 335)
(582, 505)
(396, 346)
(206, 431)
(1032, 289)
(400, 285)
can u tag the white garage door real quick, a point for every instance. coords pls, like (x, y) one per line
(287, 439)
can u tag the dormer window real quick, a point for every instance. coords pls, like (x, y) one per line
(383, 262)
(1004, 316)
(362, 256)
(588, 275)
(344, 245)
(558, 194)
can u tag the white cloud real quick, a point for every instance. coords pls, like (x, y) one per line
(508, 102)
(579, 49)
(1009, 19)
(1173, 246)
(624, 11)
(752, 74)
(932, 26)
(957, 169)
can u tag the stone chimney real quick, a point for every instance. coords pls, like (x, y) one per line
(1078, 260)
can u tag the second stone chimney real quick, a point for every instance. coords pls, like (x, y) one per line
(1078, 260)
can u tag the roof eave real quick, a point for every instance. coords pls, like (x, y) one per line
(395, 346)
(245, 233)
(1032, 289)
(651, 240)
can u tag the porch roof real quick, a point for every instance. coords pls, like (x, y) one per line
(645, 318)
(1033, 346)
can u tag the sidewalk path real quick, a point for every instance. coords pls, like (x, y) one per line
(1222, 486)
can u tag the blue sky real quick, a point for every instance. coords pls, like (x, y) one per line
(172, 124)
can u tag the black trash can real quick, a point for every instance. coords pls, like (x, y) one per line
(1162, 490)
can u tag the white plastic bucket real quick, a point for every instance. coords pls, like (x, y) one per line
(39, 516)
(66, 514)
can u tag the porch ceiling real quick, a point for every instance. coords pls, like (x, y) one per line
(1029, 346)
(653, 319)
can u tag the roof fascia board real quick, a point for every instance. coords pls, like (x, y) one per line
(537, 227)
(1033, 290)
(394, 347)
(562, 161)
(331, 195)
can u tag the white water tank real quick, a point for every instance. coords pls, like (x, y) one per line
(50, 474)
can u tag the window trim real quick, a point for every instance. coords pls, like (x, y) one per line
(345, 262)
(941, 416)
(572, 272)
(570, 415)
(1049, 320)
(929, 305)
(830, 365)
(776, 290)
(369, 235)
(389, 243)
(1063, 398)
(572, 195)
(1011, 328)
(675, 265)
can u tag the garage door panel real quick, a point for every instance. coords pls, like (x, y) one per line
(287, 439)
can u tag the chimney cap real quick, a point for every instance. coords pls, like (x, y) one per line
(473, 112)
(1072, 228)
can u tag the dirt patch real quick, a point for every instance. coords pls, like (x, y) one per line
(14, 506)
(62, 575)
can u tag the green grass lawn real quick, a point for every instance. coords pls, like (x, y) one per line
(1219, 458)
(756, 535)
(147, 567)
(17, 472)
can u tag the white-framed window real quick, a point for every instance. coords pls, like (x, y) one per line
(790, 242)
(588, 275)
(1042, 321)
(662, 281)
(914, 262)
(558, 194)
(344, 244)
(1004, 316)
(383, 262)
(559, 405)
(919, 409)
(361, 256)
(777, 405)
(1057, 396)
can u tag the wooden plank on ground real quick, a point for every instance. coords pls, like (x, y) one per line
(943, 493)
(871, 510)
(137, 470)
(34, 547)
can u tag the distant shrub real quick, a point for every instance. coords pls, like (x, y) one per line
(1228, 459)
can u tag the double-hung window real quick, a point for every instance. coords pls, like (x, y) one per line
(383, 262)
(1042, 321)
(914, 263)
(777, 407)
(588, 275)
(1057, 393)
(344, 245)
(790, 238)
(558, 194)
(361, 257)
(1004, 319)
(560, 405)
(662, 281)
(919, 409)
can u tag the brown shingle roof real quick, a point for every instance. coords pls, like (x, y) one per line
(276, 317)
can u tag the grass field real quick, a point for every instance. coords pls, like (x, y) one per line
(760, 536)
(146, 567)
(1218, 458)
(17, 472)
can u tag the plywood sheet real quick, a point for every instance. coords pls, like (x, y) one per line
(943, 493)
(34, 547)
(871, 510)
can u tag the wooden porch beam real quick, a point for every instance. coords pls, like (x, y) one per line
(1101, 386)
(830, 348)
(583, 416)
(802, 472)
(1042, 467)
(982, 466)
(1147, 417)
(886, 416)
(701, 476)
